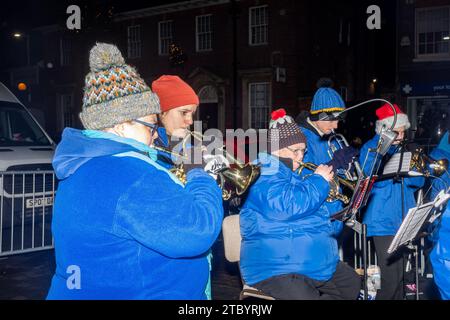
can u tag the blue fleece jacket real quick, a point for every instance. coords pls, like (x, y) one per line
(282, 229)
(127, 225)
(383, 214)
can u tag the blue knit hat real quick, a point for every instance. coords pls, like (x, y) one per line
(327, 103)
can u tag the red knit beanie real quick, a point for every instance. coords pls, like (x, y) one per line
(173, 92)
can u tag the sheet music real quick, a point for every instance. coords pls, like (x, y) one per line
(392, 165)
(410, 227)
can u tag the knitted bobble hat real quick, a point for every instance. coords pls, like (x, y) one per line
(283, 131)
(114, 92)
(326, 101)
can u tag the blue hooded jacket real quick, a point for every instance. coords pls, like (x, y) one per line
(282, 229)
(129, 227)
(383, 214)
(440, 256)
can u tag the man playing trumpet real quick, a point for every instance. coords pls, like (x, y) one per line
(288, 247)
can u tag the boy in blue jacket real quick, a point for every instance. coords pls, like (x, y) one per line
(288, 249)
(317, 126)
(125, 227)
(384, 212)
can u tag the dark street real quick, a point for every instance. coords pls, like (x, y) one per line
(28, 276)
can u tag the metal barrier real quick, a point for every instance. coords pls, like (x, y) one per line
(372, 258)
(26, 207)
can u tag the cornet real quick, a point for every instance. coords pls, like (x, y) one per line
(335, 183)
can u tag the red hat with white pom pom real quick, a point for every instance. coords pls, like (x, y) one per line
(385, 116)
(283, 131)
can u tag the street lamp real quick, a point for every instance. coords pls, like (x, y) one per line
(19, 35)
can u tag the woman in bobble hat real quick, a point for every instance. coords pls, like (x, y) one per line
(117, 233)
(388, 204)
(289, 249)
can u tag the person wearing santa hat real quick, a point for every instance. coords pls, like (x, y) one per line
(388, 204)
(289, 250)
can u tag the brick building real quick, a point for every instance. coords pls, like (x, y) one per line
(243, 58)
(424, 66)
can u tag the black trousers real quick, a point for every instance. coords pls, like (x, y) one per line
(344, 285)
(391, 270)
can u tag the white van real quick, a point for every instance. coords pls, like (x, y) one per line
(23, 142)
(26, 150)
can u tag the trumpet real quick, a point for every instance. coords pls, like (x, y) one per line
(335, 183)
(232, 180)
(420, 161)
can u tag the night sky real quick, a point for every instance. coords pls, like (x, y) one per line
(34, 13)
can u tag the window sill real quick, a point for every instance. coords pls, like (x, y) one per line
(258, 44)
(431, 59)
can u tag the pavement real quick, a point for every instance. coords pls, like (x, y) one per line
(27, 276)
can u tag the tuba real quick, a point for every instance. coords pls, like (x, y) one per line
(233, 181)
(335, 184)
(420, 163)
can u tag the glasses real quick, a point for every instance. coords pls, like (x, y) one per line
(153, 126)
(297, 151)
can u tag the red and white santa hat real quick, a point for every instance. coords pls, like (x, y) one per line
(385, 116)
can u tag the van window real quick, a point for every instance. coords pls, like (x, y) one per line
(17, 128)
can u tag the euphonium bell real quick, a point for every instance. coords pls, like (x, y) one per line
(237, 180)
(232, 180)
(420, 163)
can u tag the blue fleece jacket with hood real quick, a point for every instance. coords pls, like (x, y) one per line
(124, 227)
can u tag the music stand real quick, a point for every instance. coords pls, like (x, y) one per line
(413, 223)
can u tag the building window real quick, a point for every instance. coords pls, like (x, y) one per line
(203, 33)
(165, 37)
(66, 105)
(65, 50)
(432, 32)
(134, 42)
(259, 104)
(258, 25)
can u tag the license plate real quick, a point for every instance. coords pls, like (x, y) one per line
(39, 202)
